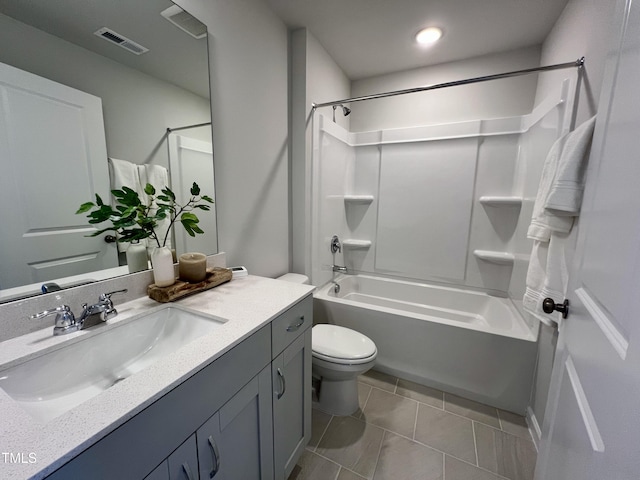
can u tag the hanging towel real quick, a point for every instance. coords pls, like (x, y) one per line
(557, 203)
(157, 176)
(123, 173)
(560, 191)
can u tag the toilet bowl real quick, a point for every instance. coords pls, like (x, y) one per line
(339, 355)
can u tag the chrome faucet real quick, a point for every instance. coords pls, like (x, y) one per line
(339, 268)
(66, 321)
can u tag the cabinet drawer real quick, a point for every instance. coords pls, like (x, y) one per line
(290, 324)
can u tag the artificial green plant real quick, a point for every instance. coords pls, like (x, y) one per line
(134, 220)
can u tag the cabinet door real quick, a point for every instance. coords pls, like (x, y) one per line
(183, 462)
(236, 442)
(291, 373)
(161, 472)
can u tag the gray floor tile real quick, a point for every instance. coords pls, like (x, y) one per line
(319, 422)
(379, 380)
(313, 467)
(446, 432)
(507, 455)
(402, 459)
(421, 393)
(349, 475)
(352, 443)
(455, 469)
(392, 412)
(514, 424)
(470, 409)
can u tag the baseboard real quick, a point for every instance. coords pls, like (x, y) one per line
(534, 428)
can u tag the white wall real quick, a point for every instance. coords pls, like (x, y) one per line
(315, 77)
(580, 31)
(500, 98)
(137, 108)
(248, 64)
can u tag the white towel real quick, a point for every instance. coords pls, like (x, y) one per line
(557, 203)
(560, 191)
(157, 176)
(124, 173)
(547, 276)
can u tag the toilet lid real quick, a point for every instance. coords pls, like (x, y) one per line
(334, 343)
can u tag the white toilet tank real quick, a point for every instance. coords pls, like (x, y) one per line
(294, 278)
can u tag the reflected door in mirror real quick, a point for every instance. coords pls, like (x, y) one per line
(53, 152)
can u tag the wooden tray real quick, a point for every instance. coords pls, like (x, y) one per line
(180, 289)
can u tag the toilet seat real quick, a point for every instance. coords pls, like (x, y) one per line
(336, 344)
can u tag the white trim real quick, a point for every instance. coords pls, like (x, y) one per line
(534, 428)
(583, 404)
(615, 337)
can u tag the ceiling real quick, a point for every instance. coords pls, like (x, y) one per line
(372, 37)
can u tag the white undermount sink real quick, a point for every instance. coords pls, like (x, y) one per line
(54, 383)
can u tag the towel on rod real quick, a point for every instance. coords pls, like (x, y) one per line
(124, 174)
(561, 184)
(557, 203)
(158, 176)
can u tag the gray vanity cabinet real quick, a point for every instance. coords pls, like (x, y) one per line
(291, 378)
(245, 416)
(235, 443)
(183, 462)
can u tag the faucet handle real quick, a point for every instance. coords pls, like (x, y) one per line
(107, 296)
(65, 320)
(64, 309)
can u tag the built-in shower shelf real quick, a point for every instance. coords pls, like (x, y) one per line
(500, 201)
(355, 244)
(499, 258)
(358, 199)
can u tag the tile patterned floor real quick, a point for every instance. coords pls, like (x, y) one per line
(406, 431)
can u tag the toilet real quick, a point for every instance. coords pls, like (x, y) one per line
(339, 355)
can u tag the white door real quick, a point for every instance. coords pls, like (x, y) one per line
(592, 428)
(191, 160)
(52, 159)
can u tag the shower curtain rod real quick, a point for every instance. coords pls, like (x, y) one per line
(169, 130)
(578, 63)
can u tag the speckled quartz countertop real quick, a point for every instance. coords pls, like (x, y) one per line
(246, 303)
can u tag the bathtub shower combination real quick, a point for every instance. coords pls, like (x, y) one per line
(464, 342)
(432, 221)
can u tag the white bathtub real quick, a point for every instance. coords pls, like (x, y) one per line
(460, 341)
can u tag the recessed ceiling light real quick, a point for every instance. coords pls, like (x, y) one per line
(428, 36)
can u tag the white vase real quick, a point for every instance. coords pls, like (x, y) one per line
(137, 259)
(162, 262)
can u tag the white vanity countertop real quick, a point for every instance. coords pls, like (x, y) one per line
(247, 303)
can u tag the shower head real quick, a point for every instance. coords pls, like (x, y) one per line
(345, 111)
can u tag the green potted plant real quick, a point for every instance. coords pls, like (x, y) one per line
(134, 220)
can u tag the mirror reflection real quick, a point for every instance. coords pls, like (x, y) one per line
(95, 96)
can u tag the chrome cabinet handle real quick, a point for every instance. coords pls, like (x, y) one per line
(187, 471)
(215, 456)
(283, 382)
(293, 328)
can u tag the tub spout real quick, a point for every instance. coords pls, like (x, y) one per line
(339, 268)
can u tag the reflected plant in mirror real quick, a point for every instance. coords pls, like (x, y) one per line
(134, 220)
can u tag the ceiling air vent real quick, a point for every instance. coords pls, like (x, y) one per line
(121, 41)
(185, 21)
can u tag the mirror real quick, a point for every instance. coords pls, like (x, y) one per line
(142, 96)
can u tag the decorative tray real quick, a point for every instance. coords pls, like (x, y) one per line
(180, 289)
